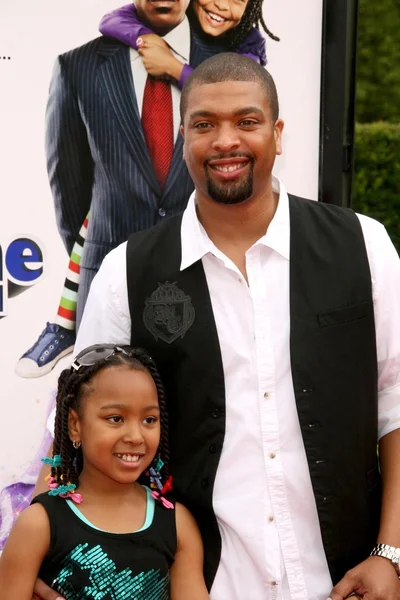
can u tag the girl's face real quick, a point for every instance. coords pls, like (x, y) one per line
(118, 424)
(218, 16)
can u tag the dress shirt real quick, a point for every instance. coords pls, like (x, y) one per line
(179, 42)
(263, 498)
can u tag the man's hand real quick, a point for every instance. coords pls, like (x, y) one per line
(373, 579)
(42, 591)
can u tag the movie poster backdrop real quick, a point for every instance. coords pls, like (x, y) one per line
(33, 259)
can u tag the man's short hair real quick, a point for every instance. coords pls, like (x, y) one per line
(230, 66)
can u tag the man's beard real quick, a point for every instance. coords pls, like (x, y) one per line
(231, 192)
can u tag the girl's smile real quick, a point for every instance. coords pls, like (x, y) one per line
(218, 16)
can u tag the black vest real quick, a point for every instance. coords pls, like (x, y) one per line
(334, 371)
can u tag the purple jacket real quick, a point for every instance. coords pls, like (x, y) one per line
(123, 24)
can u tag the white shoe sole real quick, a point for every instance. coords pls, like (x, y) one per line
(28, 368)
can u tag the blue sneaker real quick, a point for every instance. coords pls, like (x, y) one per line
(53, 343)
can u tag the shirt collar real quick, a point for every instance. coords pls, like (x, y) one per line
(178, 39)
(196, 243)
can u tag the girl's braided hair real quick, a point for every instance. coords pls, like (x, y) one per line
(252, 17)
(71, 391)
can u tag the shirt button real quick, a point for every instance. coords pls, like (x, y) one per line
(273, 583)
(266, 394)
(272, 455)
(215, 413)
(162, 212)
(270, 519)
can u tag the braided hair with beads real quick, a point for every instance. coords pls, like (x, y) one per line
(72, 388)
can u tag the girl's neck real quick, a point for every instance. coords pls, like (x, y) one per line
(93, 486)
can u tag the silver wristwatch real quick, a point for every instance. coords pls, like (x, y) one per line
(389, 552)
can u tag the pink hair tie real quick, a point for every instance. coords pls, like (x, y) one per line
(163, 500)
(74, 496)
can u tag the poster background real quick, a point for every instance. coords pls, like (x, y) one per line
(33, 34)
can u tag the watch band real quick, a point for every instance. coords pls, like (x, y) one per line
(389, 552)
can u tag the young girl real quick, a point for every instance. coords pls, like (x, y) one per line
(126, 540)
(230, 22)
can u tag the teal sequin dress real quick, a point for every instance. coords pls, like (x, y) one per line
(84, 562)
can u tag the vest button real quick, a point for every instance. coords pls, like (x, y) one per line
(162, 212)
(205, 483)
(215, 413)
(213, 448)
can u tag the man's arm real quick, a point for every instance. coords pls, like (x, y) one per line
(106, 318)
(69, 160)
(376, 577)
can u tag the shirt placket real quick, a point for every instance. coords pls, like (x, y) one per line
(275, 479)
(267, 409)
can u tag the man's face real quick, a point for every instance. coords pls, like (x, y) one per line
(161, 15)
(230, 140)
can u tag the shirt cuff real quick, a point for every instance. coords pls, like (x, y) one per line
(389, 411)
(186, 71)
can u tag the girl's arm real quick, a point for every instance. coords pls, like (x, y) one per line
(253, 46)
(187, 580)
(124, 25)
(23, 554)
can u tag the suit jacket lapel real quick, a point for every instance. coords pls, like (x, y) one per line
(177, 166)
(115, 76)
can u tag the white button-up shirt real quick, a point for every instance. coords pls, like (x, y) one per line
(263, 499)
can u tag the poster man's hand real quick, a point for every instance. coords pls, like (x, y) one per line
(373, 579)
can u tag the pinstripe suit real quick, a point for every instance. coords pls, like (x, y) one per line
(97, 156)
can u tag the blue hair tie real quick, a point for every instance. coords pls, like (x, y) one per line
(62, 489)
(155, 479)
(56, 461)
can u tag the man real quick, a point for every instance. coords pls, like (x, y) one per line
(280, 359)
(101, 156)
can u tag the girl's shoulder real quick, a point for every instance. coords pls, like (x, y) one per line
(185, 522)
(34, 520)
(254, 43)
(52, 505)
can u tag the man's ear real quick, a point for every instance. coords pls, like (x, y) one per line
(278, 129)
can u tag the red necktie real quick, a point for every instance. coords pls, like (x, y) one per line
(158, 126)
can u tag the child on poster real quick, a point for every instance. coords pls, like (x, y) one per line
(128, 540)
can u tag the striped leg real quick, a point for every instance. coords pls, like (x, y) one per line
(66, 314)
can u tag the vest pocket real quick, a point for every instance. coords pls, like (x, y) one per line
(344, 315)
